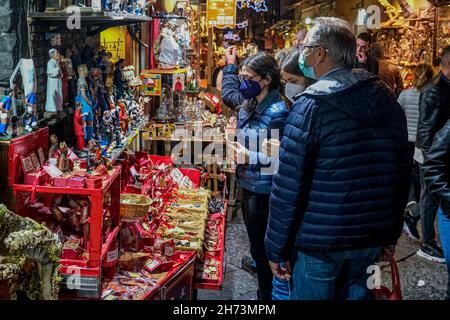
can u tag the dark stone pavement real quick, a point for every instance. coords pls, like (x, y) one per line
(420, 279)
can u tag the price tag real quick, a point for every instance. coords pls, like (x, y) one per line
(176, 175)
(186, 183)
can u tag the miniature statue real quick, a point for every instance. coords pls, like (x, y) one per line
(119, 81)
(54, 100)
(123, 117)
(85, 98)
(63, 160)
(54, 142)
(118, 134)
(93, 159)
(79, 126)
(29, 119)
(107, 127)
(5, 107)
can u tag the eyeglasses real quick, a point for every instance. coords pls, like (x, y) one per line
(302, 47)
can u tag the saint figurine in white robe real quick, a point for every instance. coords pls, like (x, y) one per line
(54, 101)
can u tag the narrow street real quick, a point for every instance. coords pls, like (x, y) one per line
(420, 279)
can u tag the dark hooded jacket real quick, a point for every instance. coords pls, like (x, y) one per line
(436, 168)
(343, 174)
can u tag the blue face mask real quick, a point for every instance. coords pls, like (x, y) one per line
(250, 89)
(307, 71)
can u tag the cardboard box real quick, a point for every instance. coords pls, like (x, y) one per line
(77, 182)
(61, 182)
(42, 178)
(94, 183)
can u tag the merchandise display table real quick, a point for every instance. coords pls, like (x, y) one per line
(176, 284)
(89, 266)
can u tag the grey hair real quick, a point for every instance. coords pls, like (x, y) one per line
(337, 37)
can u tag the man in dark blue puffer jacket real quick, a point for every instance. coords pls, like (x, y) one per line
(338, 198)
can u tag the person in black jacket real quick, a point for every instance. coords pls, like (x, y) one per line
(338, 198)
(436, 173)
(434, 111)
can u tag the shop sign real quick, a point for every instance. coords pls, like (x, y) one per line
(221, 13)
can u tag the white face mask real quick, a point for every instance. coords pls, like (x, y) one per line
(292, 89)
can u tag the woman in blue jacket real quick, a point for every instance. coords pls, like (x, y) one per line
(262, 116)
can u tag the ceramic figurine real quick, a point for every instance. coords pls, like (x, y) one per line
(29, 119)
(54, 100)
(5, 108)
(93, 159)
(107, 127)
(99, 89)
(85, 99)
(54, 142)
(123, 117)
(63, 160)
(79, 126)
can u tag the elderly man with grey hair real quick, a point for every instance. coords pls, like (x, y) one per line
(337, 200)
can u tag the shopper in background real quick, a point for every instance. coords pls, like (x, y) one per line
(387, 72)
(294, 79)
(263, 111)
(436, 173)
(341, 186)
(363, 45)
(299, 37)
(409, 100)
(434, 111)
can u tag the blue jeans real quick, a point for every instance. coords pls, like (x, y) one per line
(340, 275)
(444, 232)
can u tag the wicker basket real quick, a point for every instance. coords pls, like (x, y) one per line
(134, 205)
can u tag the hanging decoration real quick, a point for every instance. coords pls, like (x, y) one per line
(257, 5)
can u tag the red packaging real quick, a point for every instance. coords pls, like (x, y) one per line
(94, 183)
(165, 248)
(61, 182)
(77, 182)
(152, 265)
(42, 178)
(166, 264)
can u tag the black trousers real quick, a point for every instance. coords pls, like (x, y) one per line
(428, 211)
(255, 209)
(414, 190)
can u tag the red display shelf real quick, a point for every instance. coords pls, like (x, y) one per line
(21, 146)
(198, 284)
(91, 267)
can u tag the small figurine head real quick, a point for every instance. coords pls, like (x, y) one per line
(82, 70)
(92, 145)
(97, 73)
(9, 92)
(54, 139)
(54, 54)
(63, 147)
(79, 105)
(106, 115)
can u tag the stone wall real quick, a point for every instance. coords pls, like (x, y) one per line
(13, 37)
(40, 48)
(20, 41)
